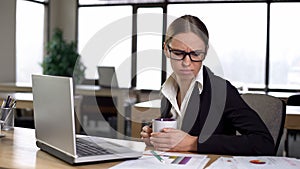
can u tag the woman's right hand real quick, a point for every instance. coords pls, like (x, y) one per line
(145, 135)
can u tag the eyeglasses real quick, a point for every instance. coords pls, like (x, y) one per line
(195, 56)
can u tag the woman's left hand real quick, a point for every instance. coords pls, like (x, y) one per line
(173, 140)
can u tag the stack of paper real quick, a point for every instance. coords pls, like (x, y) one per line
(171, 160)
(262, 162)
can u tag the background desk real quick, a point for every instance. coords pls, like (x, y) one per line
(141, 113)
(292, 120)
(15, 87)
(22, 92)
(145, 111)
(24, 100)
(120, 94)
(18, 150)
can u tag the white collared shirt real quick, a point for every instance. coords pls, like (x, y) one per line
(170, 89)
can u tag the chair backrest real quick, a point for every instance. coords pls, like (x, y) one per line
(294, 100)
(271, 110)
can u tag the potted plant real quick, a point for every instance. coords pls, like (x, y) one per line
(63, 59)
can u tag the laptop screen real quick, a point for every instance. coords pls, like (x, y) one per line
(107, 77)
(54, 111)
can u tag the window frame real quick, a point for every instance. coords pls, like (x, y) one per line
(164, 5)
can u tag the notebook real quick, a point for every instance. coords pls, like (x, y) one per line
(54, 118)
(107, 77)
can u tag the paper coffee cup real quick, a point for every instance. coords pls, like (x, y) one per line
(161, 123)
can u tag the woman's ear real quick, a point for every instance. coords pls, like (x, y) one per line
(206, 49)
(166, 51)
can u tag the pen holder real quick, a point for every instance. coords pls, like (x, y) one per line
(7, 118)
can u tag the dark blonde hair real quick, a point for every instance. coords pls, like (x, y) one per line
(185, 24)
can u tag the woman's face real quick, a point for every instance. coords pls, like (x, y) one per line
(185, 69)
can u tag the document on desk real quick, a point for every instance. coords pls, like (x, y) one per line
(263, 162)
(169, 160)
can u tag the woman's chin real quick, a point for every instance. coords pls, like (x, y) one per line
(186, 76)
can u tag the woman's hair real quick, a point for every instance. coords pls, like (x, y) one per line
(185, 24)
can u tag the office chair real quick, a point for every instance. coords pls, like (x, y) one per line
(293, 100)
(271, 110)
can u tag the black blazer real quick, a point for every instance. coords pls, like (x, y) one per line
(221, 109)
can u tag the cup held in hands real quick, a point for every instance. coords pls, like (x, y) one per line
(161, 123)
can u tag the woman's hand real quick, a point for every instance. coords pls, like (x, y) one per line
(173, 140)
(145, 134)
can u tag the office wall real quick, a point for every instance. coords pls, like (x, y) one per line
(7, 40)
(63, 15)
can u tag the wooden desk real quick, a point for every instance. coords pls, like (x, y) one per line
(20, 91)
(292, 120)
(18, 150)
(145, 111)
(119, 93)
(141, 113)
(24, 100)
(15, 87)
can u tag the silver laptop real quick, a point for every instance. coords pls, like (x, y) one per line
(54, 118)
(107, 77)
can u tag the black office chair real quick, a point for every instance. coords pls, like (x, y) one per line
(271, 110)
(293, 100)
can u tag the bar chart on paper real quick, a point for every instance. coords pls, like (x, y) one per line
(169, 160)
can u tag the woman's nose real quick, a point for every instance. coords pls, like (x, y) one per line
(186, 61)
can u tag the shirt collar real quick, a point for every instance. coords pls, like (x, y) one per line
(170, 87)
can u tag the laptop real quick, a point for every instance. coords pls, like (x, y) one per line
(54, 118)
(107, 77)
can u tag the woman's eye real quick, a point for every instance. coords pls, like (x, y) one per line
(178, 52)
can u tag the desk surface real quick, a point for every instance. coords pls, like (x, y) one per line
(18, 150)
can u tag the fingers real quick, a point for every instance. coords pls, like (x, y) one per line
(147, 129)
(146, 141)
(168, 140)
(160, 144)
(145, 135)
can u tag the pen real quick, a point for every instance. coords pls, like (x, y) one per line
(7, 101)
(157, 156)
(3, 103)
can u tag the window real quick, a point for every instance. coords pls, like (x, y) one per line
(104, 39)
(284, 46)
(237, 39)
(149, 48)
(29, 39)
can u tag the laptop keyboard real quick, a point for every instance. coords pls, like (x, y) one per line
(89, 148)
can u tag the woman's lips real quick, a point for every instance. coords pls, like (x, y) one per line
(185, 71)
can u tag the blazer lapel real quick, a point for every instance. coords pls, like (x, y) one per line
(192, 110)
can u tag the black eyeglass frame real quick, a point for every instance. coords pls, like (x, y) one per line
(185, 54)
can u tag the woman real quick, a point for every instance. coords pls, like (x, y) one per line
(208, 109)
